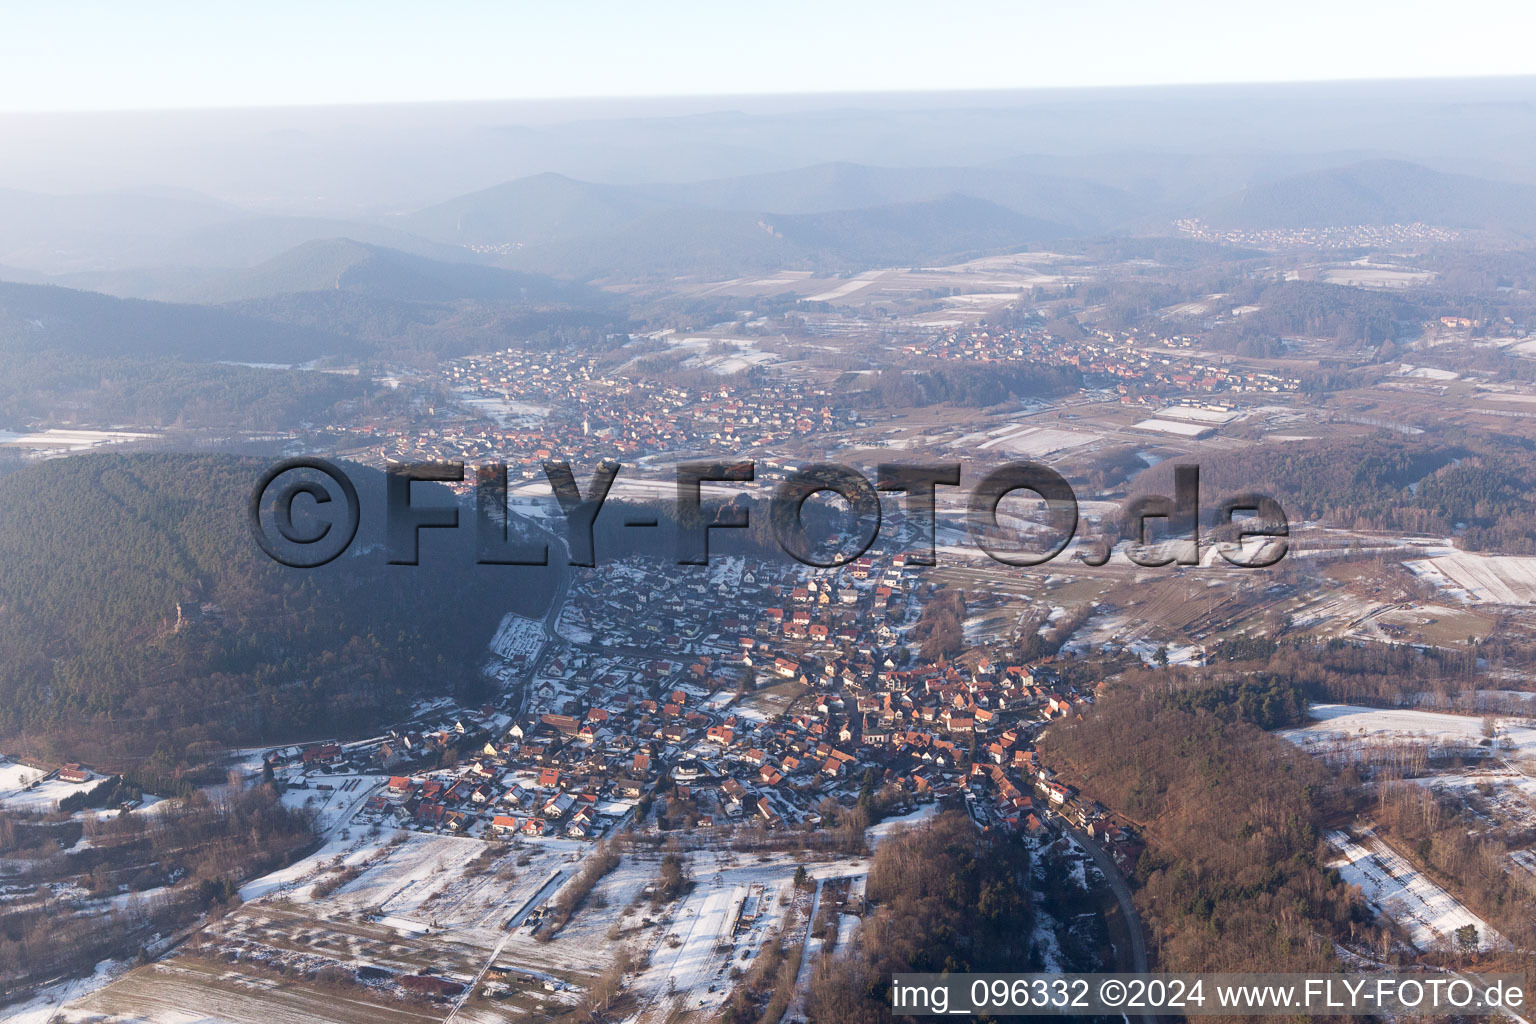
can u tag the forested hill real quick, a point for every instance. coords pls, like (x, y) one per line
(1473, 488)
(98, 552)
(63, 321)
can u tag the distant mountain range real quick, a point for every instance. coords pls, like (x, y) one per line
(1077, 203)
(843, 216)
(832, 216)
(708, 242)
(51, 231)
(1378, 192)
(1177, 144)
(535, 210)
(104, 237)
(337, 264)
(551, 207)
(332, 297)
(492, 245)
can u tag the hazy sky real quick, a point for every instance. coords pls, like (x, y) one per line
(160, 53)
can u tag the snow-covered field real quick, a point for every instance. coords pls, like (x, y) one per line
(42, 796)
(16, 777)
(1116, 631)
(1427, 912)
(846, 289)
(58, 440)
(1480, 579)
(1338, 722)
(703, 925)
(1346, 721)
(1039, 441)
(878, 832)
(1338, 610)
(44, 1006)
(505, 412)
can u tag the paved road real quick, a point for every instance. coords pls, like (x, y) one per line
(551, 617)
(1122, 890)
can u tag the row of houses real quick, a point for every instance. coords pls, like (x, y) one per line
(585, 411)
(1118, 356)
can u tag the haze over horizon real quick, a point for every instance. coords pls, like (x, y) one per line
(388, 159)
(200, 57)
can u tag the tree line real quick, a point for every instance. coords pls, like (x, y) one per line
(1234, 872)
(941, 897)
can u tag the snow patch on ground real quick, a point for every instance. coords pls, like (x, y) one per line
(43, 1006)
(1480, 579)
(1513, 737)
(42, 796)
(1427, 912)
(876, 833)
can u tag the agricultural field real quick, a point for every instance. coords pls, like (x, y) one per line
(1504, 737)
(342, 935)
(1481, 579)
(1429, 914)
